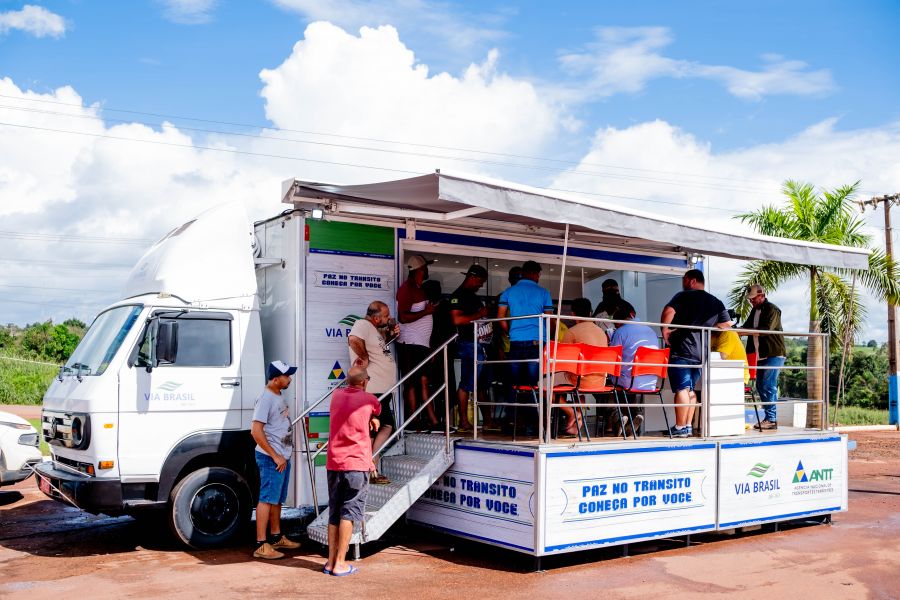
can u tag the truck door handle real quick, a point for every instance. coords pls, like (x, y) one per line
(231, 384)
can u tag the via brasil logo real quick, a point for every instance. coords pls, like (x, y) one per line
(337, 372)
(343, 328)
(169, 386)
(759, 470)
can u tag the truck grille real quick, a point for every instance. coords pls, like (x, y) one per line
(70, 430)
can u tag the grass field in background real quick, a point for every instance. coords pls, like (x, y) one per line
(24, 382)
(854, 415)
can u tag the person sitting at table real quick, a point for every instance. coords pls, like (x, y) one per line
(583, 332)
(632, 336)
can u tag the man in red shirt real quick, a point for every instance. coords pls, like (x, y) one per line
(349, 462)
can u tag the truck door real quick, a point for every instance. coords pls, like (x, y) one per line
(162, 402)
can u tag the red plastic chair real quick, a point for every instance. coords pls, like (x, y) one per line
(612, 356)
(649, 361)
(557, 358)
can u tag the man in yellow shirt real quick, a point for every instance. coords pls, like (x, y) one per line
(728, 344)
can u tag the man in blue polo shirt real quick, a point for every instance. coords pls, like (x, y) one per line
(524, 298)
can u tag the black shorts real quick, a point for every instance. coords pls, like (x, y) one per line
(410, 355)
(386, 418)
(347, 491)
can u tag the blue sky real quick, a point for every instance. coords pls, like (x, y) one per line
(132, 55)
(699, 108)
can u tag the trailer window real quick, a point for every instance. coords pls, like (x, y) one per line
(203, 343)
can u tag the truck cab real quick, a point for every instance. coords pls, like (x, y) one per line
(151, 414)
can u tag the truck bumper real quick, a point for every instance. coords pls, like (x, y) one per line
(88, 493)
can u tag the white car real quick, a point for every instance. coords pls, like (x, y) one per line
(19, 448)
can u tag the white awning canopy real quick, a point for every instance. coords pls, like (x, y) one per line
(446, 197)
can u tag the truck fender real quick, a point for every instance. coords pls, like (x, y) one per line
(208, 448)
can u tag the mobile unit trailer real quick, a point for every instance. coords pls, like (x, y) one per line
(153, 409)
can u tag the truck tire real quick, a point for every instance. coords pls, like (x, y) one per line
(209, 507)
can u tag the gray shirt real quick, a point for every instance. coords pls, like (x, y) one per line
(271, 410)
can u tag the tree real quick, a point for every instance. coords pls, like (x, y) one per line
(835, 306)
(872, 344)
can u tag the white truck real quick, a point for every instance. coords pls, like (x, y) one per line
(152, 411)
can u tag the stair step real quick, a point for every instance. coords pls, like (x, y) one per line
(425, 444)
(402, 466)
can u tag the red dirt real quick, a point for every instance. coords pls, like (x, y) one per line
(48, 550)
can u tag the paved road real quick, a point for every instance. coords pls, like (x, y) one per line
(51, 551)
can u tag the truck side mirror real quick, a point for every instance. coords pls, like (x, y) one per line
(166, 343)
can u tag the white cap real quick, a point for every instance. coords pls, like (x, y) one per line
(755, 290)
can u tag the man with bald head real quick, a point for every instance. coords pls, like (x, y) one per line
(354, 412)
(368, 341)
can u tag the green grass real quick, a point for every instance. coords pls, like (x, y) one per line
(24, 382)
(36, 423)
(855, 415)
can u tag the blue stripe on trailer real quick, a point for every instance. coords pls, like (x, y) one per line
(654, 534)
(779, 517)
(423, 235)
(494, 450)
(631, 450)
(472, 536)
(453, 471)
(781, 442)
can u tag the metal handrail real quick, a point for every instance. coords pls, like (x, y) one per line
(311, 457)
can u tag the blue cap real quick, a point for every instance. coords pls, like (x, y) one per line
(277, 368)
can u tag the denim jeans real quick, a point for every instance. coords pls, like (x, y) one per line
(523, 373)
(767, 385)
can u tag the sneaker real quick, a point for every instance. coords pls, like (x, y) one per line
(680, 432)
(766, 425)
(267, 552)
(285, 543)
(637, 422)
(623, 426)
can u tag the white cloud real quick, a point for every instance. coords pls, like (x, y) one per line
(625, 59)
(189, 12)
(668, 165)
(371, 86)
(367, 86)
(36, 20)
(427, 18)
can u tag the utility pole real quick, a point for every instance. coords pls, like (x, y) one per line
(893, 373)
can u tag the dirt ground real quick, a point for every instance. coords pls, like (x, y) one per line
(48, 550)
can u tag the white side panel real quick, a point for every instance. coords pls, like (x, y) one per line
(596, 497)
(726, 397)
(782, 479)
(487, 495)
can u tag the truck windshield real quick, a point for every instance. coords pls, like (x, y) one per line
(102, 341)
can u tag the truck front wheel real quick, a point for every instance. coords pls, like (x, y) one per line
(209, 507)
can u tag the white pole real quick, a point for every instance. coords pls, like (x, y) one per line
(555, 336)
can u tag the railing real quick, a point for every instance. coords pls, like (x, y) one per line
(311, 456)
(545, 384)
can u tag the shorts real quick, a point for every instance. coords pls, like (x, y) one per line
(386, 418)
(681, 378)
(466, 368)
(410, 355)
(273, 486)
(347, 491)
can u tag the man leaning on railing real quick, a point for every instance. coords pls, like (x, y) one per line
(770, 352)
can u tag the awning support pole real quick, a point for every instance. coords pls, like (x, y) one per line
(555, 335)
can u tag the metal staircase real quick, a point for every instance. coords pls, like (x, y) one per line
(424, 459)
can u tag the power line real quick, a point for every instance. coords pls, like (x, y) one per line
(370, 139)
(296, 158)
(38, 261)
(43, 303)
(89, 239)
(700, 185)
(58, 289)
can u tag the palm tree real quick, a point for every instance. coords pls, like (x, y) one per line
(835, 305)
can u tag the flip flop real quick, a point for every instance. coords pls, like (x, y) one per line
(326, 570)
(353, 570)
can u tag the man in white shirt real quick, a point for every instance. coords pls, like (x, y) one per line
(368, 341)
